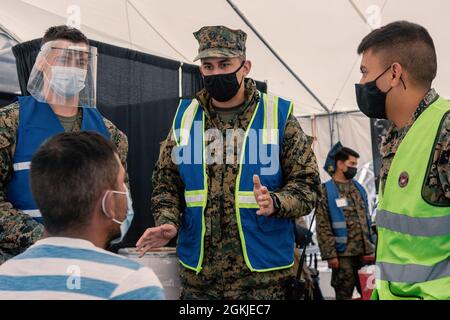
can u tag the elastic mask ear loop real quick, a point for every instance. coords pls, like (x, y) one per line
(104, 210)
(242, 64)
(381, 76)
(403, 82)
(382, 73)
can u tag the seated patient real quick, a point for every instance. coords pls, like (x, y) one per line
(77, 181)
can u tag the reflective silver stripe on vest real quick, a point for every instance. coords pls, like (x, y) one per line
(269, 112)
(247, 199)
(20, 166)
(420, 227)
(186, 124)
(270, 126)
(33, 213)
(340, 239)
(194, 198)
(412, 273)
(339, 225)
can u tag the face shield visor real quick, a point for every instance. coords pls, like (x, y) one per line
(65, 74)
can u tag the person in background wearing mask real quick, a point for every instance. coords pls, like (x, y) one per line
(399, 64)
(234, 219)
(343, 222)
(62, 87)
(81, 217)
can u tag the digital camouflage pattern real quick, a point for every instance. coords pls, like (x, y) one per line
(220, 42)
(18, 230)
(225, 274)
(358, 236)
(345, 278)
(437, 186)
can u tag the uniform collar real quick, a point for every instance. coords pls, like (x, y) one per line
(395, 133)
(429, 98)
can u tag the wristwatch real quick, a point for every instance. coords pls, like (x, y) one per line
(276, 203)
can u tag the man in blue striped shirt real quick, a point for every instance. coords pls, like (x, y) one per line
(77, 181)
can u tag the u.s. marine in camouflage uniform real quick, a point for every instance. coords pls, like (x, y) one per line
(224, 273)
(399, 65)
(347, 256)
(17, 229)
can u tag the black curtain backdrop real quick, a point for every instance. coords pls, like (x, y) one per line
(7, 99)
(139, 93)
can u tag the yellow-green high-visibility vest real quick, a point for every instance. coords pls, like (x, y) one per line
(413, 253)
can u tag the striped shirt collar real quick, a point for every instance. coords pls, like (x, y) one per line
(67, 242)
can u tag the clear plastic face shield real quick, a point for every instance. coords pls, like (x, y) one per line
(65, 74)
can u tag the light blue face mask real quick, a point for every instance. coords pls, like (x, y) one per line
(124, 225)
(67, 81)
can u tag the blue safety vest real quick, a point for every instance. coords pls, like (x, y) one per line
(336, 214)
(267, 242)
(37, 123)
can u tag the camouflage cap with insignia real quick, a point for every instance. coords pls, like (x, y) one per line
(220, 42)
(330, 162)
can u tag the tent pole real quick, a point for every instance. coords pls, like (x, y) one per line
(331, 113)
(241, 15)
(9, 34)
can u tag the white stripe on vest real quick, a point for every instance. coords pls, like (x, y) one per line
(33, 213)
(270, 131)
(20, 166)
(186, 122)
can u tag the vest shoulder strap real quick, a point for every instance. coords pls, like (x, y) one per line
(360, 188)
(273, 107)
(183, 120)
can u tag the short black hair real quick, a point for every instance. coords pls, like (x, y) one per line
(344, 154)
(69, 173)
(64, 32)
(407, 43)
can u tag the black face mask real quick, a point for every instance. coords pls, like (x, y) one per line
(371, 100)
(350, 173)
(223, 87)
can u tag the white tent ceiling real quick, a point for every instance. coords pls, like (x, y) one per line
(317, 39)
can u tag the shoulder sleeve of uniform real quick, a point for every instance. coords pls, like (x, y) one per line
(9, 122)
(324, 232)
(442, 155)
(167, 200)
(297, 145)
(323, 197)
(120, 140)
(17, 230)
(294, 131)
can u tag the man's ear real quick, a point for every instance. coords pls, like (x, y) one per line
(397, 73)
(247, 67)
(340, 164)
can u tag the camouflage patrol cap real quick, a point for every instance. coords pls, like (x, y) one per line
(220, 42)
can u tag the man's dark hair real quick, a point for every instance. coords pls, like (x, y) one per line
(344, 154)
(64, 32)
(69, 174)
(407, 43)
